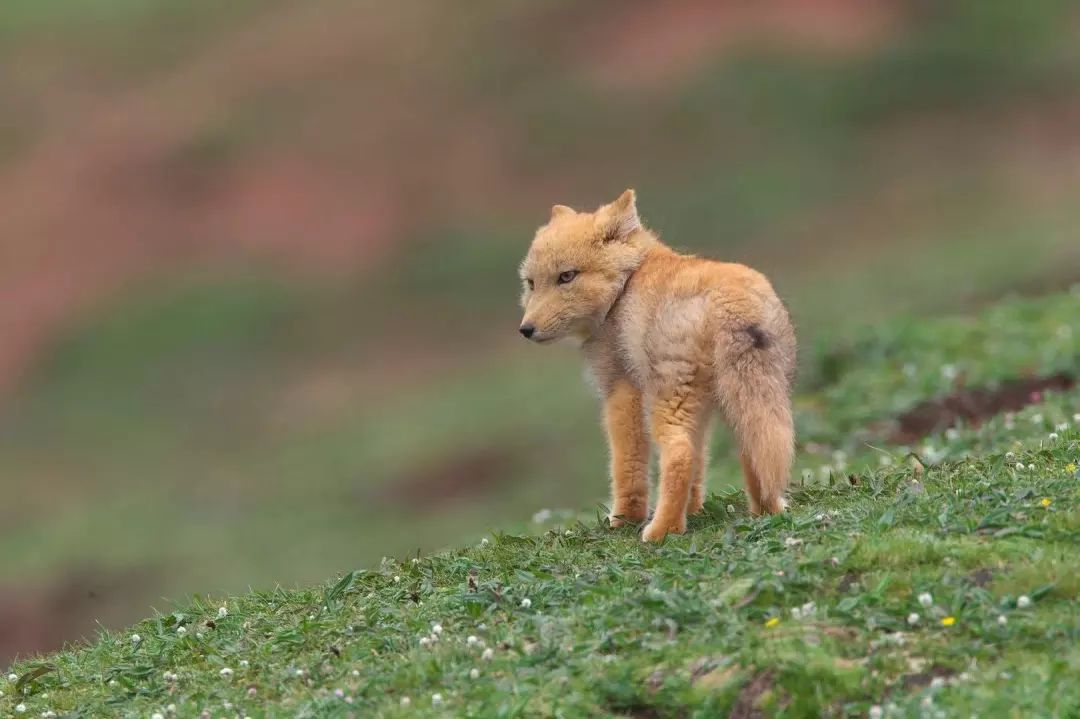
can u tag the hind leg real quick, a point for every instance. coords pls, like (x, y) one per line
(701, 466)
(760, 500)
(766, 459)
(754, 398)
(677, 421)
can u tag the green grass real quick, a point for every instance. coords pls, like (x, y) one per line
(574, 619)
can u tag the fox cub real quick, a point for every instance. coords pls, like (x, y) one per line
(669, 339)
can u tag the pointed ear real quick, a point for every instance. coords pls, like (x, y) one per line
(624, 217)
(560, 210)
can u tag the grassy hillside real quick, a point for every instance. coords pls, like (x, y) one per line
(937, 578)
(257, 275)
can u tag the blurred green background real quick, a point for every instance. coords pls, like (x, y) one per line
(258, 259)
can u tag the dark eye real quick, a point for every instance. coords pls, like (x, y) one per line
(529, 283)
(565, 277)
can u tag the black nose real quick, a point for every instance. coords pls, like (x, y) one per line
(526, 331)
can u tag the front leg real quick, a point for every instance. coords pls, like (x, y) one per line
(624, 421)
(678, 422)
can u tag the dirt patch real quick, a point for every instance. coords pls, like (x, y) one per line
(981, 578)
(746, 705)
(469, 474)
(849, 580)
(42, 618)
(922, 679)
(974, 406)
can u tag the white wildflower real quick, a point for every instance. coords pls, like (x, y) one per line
(244, 663)
(405, 701)
(135, 639)
(526, 603)
(1061, 427)
(937, 683)
(226, 672)
(926, 599)
(913, 619)
(1053, 436)
(792, 542)
(13, 677)
(222, 612)
(1036, 418)
(731, 509)
(48, 714)
(300, 672)
(949, 371)
(436, 628)
(1076, 417)
(425, 642)
(488, 654)
(1002, 620)
(1010, 455)
(157, 715)
(436, 699)
(808, 609)
(876, 712)
(20, 708)
(1020, 466)
(356, 672)
(484, 542)
(471, 640)
(1023, 602)
(181, 630)
(396, 579)
(474, 673)
(339, 693)
(541, 516)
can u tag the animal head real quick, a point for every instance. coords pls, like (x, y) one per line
(576, 268)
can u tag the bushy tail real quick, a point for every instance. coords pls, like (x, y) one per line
(753, 385)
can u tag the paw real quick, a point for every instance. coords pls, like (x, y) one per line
(656, 530)
(621, 519)
(634, 513)
(697, 502)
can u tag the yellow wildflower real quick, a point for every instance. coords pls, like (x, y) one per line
(948, 621)
(1045, 501)
(772, 622)
(1070, 468)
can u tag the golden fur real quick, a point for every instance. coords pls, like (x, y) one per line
(669, 339)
